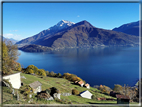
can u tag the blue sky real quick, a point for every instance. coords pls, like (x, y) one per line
(22, 20)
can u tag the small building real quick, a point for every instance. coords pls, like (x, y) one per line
(81, 83)
(87, 86)
(14, 79)
(122, 99)
(36, 86)
(86, 94)
(56, 95)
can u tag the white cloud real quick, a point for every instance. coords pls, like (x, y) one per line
(8, 35)
(78, 16)
(14, 36)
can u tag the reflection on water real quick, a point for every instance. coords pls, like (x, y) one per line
(106, 65)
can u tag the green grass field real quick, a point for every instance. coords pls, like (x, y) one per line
(64, 86)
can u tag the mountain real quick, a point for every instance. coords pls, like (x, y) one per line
(10, 39)
(83, 34)
(45, 33)
(130, 28)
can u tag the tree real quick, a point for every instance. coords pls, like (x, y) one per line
(71, 77)
(34, 68)
(58, 75)
(12, 53)
(18, 66)
(47, 73)
(75, 92)
(117, 88)
(9, 57)
(29, 71)
(5, 60)
(41, 72)
(52, 74)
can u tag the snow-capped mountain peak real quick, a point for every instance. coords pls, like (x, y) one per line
(65, 22)
(61, 25)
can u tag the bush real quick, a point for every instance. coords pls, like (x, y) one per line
(18, 67)
(52, 74)
(33, 68)
(105, 90)
(71, 77)
(27, 90)
(47, 73)
(58, 75)
(41, 72)
(93, 97)
(75, 92)
(7, 90)
(29, 71)
(117, 88)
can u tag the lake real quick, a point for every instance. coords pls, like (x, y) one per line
(103, 65)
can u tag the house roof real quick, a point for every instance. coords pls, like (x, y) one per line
(80, 82)
(86, 93)
(35, 84)
(87, 85)
(122, 96)
(11, 74)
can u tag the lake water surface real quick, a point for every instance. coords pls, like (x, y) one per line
(106, 66)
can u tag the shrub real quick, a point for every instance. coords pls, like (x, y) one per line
(29, 71)
(27, 90)
(71, 77)
(117, 88)
(52, 74)
(32, 67)
(93, 97)
(58, 75)
(75, 92)
(18, 67)
(47, 73)
(41, 72)
(7, 90)
(104, 89)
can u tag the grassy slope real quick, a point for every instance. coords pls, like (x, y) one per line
(66, 86)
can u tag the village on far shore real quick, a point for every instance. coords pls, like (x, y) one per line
(31, 88)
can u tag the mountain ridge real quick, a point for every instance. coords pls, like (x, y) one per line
(48, 32)
(10, 39)
(129, 28)
(83, 34)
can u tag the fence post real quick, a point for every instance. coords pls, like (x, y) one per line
(17, 96)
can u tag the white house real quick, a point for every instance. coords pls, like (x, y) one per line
(81, 83)
(87, 86)
(86, 94)
(36, 86)
(14, 79)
